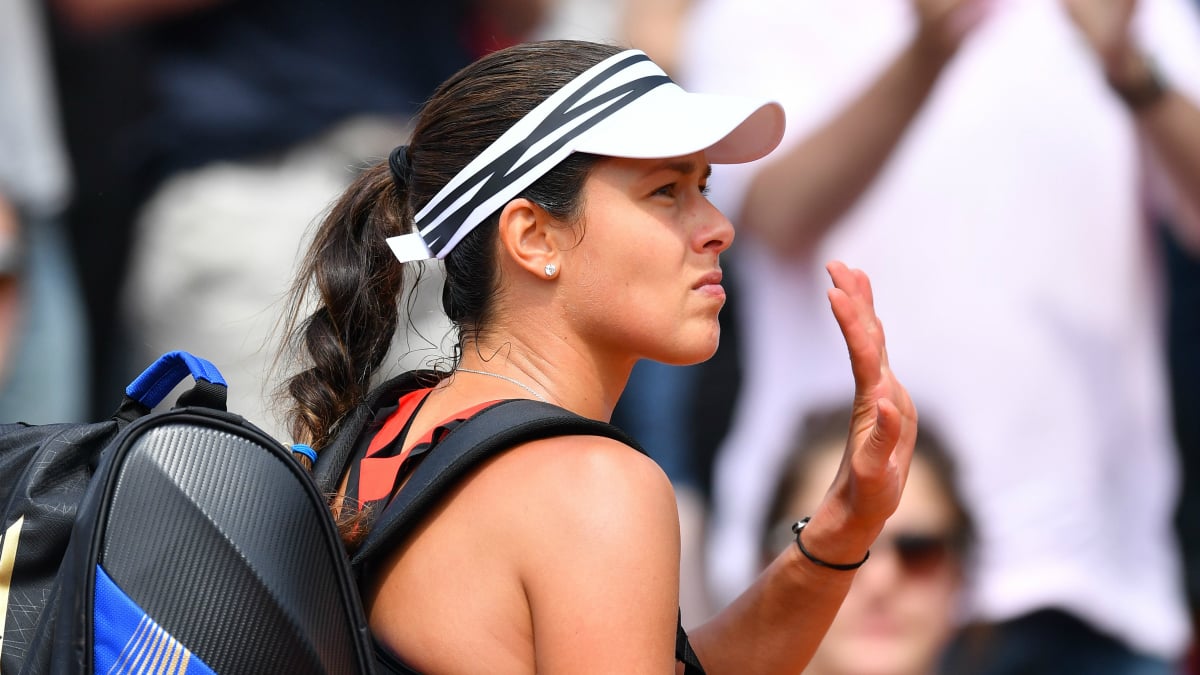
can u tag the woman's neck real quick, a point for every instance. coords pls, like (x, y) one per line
(553, 367)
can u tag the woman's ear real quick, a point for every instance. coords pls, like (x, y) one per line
(531, 237)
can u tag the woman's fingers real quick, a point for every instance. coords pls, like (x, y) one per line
(883, 427)
(863, 360)
(883, 354)
(884, 435)
(864, 287)
(850, 299)
(869, 317)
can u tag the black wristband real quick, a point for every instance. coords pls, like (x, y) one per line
(798, 526)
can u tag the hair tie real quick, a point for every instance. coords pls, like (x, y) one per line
(401, 169)
(307, 451)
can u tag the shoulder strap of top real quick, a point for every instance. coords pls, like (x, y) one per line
(361, 423)
(684, 652)
(489, 432)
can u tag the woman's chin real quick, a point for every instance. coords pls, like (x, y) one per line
(691, 356)
(703, 348)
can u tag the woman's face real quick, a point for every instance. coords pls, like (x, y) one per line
(900, 611)
(646, 281)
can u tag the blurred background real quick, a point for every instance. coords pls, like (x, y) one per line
(1019, 192)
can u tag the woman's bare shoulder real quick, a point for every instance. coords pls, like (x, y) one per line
(584, 469)
(597, 551)
(572, 542)
(556, 489)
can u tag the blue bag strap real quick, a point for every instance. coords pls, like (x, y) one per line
(153, 385)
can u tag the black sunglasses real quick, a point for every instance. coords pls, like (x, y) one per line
(919, 554)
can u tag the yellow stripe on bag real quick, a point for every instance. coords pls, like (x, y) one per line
(8, 560)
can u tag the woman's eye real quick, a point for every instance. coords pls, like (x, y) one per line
(671, 190)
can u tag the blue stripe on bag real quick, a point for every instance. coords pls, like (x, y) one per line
(153, 385)
(127, 640)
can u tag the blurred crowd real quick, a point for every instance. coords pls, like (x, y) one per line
(1020, 178)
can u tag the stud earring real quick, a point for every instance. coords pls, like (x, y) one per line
(551, 270)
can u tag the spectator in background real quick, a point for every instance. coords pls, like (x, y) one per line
(1011, 214)
(262, 111)
(904, 605)
(43, 374)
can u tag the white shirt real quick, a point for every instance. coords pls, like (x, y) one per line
(1018, 283)
(33, 164)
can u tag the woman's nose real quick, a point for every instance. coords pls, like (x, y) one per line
(716, 232)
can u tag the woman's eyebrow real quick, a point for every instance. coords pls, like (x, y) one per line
(684, 166)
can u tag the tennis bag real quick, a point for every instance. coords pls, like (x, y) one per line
(184, 540)
(463, 446)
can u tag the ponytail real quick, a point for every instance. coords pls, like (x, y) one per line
(357, 284)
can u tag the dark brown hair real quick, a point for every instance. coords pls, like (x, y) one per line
(350, 285)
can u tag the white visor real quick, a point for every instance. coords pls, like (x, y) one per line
(624, 106)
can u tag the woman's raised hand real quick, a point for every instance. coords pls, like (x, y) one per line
(883, 427)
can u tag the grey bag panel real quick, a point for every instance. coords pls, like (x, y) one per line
(230, 548)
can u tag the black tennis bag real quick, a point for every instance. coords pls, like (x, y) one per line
(465, 445)
(184, 540)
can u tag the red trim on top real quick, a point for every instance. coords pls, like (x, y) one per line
(395, 422)
(377, 475)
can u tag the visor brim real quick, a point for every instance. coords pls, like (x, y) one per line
(671, 122)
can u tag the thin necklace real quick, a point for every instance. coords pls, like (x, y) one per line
(506, 379)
